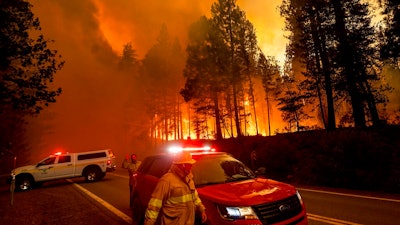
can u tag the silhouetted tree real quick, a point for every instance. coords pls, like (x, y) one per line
(129, 60)
(268, 70)
(357, 57)
(27, 69)
(162, 78)
(308, 52)
(391, 45)
(205, 71)
(239, 37)
(292, 99)
(337, 44)
(27, 65)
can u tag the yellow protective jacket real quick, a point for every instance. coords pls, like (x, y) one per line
(175, 200)
(132, 167)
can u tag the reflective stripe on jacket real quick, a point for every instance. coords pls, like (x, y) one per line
(175, 199)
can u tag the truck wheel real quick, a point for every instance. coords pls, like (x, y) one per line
(23, 183)
(92, 174)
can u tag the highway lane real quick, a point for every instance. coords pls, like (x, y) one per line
(323, 207)
(351, 207)
(113, 188)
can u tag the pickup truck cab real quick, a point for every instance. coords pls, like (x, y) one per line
(230, 191)
(92, 165)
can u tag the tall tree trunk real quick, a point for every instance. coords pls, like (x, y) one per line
(324, 67)
(236, 110)
(347, 60)
(253, 103)
(268, 113)
(371, 104)
(218, 129)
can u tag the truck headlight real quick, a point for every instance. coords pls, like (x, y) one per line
(237, 213)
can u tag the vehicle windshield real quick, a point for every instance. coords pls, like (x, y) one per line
(220, 169)
(47, 161)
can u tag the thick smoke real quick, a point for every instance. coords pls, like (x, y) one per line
(90, 34)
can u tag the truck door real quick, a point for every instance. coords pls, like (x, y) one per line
(45, 168)
(64, 167)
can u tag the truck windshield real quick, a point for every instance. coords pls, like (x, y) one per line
(217, 170)
(47, 161)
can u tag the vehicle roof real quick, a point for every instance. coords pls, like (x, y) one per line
(85, 152)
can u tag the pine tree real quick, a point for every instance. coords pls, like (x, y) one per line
(268, 71)
(391, 46)
(239, 37)
(204, 71)
(161, 74)
(27, 65)
(27, 69)
(337, 44)
(128, 60)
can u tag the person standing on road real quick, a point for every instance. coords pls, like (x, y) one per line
(132, 167)
(126, 162)
(175, 199)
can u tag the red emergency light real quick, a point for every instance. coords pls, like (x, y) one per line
(175, 149)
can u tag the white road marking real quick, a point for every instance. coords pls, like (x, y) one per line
(329, 220)
(351, 195)
(104, 203)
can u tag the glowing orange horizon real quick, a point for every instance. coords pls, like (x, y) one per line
(264, 15)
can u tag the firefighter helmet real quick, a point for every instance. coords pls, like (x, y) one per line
(183, 157)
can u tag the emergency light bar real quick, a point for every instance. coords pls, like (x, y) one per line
(175, 149)
(60, 153)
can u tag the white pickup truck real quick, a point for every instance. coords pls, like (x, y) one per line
(92, 165)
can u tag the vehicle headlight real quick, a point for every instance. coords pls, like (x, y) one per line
(299, 197)
(237, 213)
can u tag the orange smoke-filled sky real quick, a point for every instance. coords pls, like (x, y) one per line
(90, 34)
(139, 21)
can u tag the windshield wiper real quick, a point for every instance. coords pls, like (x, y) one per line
(237, 177)
(209, 183)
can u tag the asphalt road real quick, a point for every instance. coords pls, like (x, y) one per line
(323, 206)
(333, 207)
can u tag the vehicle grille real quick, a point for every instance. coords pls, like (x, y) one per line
(278, 211)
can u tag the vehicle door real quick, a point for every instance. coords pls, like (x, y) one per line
(150, 174)
(45, 169)
(64, 167)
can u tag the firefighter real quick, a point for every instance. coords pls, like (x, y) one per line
(175, 199)
(132, 167)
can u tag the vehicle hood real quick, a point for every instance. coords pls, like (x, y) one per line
(22, 169)
(247, 192)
